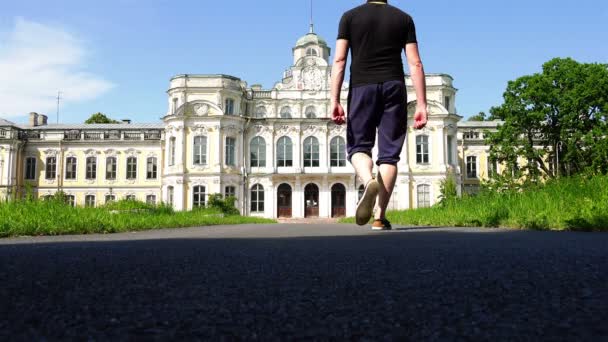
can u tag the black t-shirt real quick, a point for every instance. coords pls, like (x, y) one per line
(377, 33)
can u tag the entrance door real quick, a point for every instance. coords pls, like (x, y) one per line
(284, 200)
(311, 200)
(338, 200)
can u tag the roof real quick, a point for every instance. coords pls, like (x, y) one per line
(311, 38)
(4, 122)
(480, 124)
(234, 78)
(122, 126)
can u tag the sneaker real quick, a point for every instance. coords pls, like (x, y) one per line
(366, 204)
(382, 224)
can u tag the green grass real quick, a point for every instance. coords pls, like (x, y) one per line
(32, 218)
(577, 204)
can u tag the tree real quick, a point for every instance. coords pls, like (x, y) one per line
(556, 120)
(481, 116)
(100, 118)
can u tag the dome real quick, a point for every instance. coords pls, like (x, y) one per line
(311, 38)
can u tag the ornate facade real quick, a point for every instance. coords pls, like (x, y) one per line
(275, 149)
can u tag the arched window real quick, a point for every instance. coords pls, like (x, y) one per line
(111, 166)
(132, 168)
(91, 168)
(310, 112)
(284, 152)
(311, 152)
(337, 150)
(151, 168)
(257, 152)
(200, 150)
(260, 112)
(70, 168)
(198, 196)
(229, 107)
(286, 112)
(424, 196)
(311, 52)
(257, 199)
(70, 200)
(422, 149)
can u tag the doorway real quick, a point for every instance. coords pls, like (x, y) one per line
(338, 200)
(311, 200)
(284, 200)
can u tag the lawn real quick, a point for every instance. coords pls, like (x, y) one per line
(53, 217)
(577, 204)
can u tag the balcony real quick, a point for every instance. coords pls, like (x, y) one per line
(5, 134)
(93, 136)
(130, 136)
(152, 135)
(262, 94)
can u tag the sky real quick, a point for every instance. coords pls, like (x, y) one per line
(117, 56)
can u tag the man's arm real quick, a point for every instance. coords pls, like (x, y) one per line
(337, 78)
(419, 79)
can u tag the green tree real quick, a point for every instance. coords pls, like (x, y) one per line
(100, 118)
(559, 114)
(481, 116)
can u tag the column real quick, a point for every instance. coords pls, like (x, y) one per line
(324, 199)
(297, 200)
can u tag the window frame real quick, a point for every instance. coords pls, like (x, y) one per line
(471, 171)
(152, 162)
(87, 203)
(284, 150)
(131, 173)
(257, 147)
(199, 196)
(425, 199)
(91, 168)
(30, 168)
(50, 168)
(339, 144)
(257, 199)
(420, 150)
(71, 168)
(111, 173)
(312, 147)
(200, 145)
(230, 154)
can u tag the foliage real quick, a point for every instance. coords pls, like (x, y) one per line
(578, 203)
(55, 217)
(563, 109)
(481, 116)
(226, 205)
(100, 118)
(448, 190)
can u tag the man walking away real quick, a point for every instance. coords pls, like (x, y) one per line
(376, 33)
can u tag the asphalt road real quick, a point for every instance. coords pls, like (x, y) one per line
(315, 282)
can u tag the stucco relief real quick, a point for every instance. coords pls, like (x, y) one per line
(48, 153)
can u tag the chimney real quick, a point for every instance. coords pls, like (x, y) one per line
(42, 120)
(126, 121)
(33, 119)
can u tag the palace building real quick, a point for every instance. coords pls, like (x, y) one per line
(275, 149)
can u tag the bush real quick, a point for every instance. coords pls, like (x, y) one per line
(225, 205)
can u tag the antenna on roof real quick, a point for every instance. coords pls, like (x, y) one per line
(58, 98)
(312, 25)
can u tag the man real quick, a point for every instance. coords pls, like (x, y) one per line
(376, 33)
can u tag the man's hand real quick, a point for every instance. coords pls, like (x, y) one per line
(421, 117)
(337, 113)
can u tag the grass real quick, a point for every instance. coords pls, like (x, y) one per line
(575, 204)
(34, 218)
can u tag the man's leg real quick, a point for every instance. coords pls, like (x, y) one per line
(387, 175)
(363, 165)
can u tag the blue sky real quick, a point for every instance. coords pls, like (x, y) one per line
(117, 56)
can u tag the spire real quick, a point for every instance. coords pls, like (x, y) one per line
(312, 25)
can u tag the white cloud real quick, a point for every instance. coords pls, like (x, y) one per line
(36, 61)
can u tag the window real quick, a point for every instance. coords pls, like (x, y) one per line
(70, 168)
(170, 192)
(174, 109)
(200, 150)
(286, 112)
(51, 168)
(422, 149)
(450, 151)
(110, 198)
(471, 167)
(337, 151)
(91, 168)
(172, 151)
(311, 52)
(471, 135)
(229, 107)
(130, 198)
(198, 196)
(493, 167)
(284, 152)
(151, 199)
(230, 151)
(70, 200)
(30, 168)
(257, 199)
(311, 152)
(424, 196)
(260, 112)
(229, 191)
(257, 152)
(111, 166)
(152, 168)
(446, 102)
(89, 201)
(131, 168)
(310, 112)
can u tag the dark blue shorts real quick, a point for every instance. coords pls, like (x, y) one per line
(382, 107)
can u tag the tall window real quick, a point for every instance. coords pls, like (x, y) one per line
(230, 151)
(70, 200)
(172, 151)
(152, 168)
(446, 102)
(284, 152)
(110, 198)
(200, 150)
(286, 112)
(89, 201)
(70, 168)
(91, 168)
(493, 167)
(131, 168)
(151, 199)
(310, 112)
(450, 152)
(471, 167)
(229, 106)
(337, 151)
(51, 168)
(170, 191)
(422, 149)
(311, 152)
(30, 168)
(260, 112)
(174, 109)
(257, 199)
(424, 196)
(111, 166)
(230, 191)
(311, 52)
(198, 196)
(257, 152)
